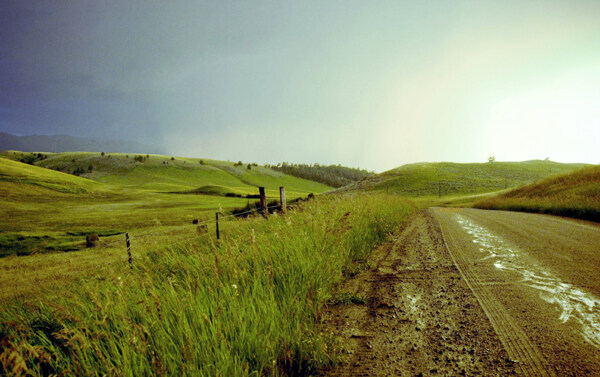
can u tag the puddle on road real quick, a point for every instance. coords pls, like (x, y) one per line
(574, 303)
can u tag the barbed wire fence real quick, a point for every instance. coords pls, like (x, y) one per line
(201, 226)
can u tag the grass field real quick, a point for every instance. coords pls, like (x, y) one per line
(447, 179)
(247, 305)
(575, 194)
(42, 182)
(45, 210)
(169, 174)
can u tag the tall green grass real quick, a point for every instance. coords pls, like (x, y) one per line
(576, 194)
(248, 305)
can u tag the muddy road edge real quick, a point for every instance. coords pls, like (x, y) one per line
(528, 358)
(421, 317)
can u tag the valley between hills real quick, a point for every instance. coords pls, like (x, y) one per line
(420, 270)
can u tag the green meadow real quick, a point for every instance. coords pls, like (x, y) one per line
(51, 200)
(247, 305)
(171, 174)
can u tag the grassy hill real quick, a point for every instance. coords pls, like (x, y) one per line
(168, 174)
(451, 179)
(575, 194)
(35, 199)
(19, 181)
(51, 200)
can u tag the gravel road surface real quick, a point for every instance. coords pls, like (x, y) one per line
(537, 277)
(475, 293)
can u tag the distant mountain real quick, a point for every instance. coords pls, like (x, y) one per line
(65, 143)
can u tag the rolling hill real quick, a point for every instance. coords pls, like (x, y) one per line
(575, 194)
(51, 200)
(36, 200)
(160, 173)
(448, 178)
(19, 181)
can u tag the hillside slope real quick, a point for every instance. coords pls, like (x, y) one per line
(330, 175)
(159, 173)
(576, 194)
(23, 181)
(448, 178)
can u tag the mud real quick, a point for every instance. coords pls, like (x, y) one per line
(421, 318)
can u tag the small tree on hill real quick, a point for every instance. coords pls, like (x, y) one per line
(249, 166)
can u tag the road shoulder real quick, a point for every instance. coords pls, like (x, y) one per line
(420, 317)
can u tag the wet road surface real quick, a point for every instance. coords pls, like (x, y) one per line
(537, 278)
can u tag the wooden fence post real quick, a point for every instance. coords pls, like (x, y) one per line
(128, 250)
(263, 202)
(282, 199)
(217, 218)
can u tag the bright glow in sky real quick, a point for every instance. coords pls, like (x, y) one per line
(370, 84)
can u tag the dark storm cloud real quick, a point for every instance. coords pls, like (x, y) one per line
(374, 84)
(54, 75)
(130, 68)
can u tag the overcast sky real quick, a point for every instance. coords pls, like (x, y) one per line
(374, 84)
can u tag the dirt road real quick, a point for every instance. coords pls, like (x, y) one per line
(538, 279)
(471, 292)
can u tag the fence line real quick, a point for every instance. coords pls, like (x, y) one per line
(263, 209)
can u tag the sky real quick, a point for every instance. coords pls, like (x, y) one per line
(369, 84)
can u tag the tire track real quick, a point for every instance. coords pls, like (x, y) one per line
(421, 318)
(529, 359)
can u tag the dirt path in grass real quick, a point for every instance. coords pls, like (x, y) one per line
(421, 318)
